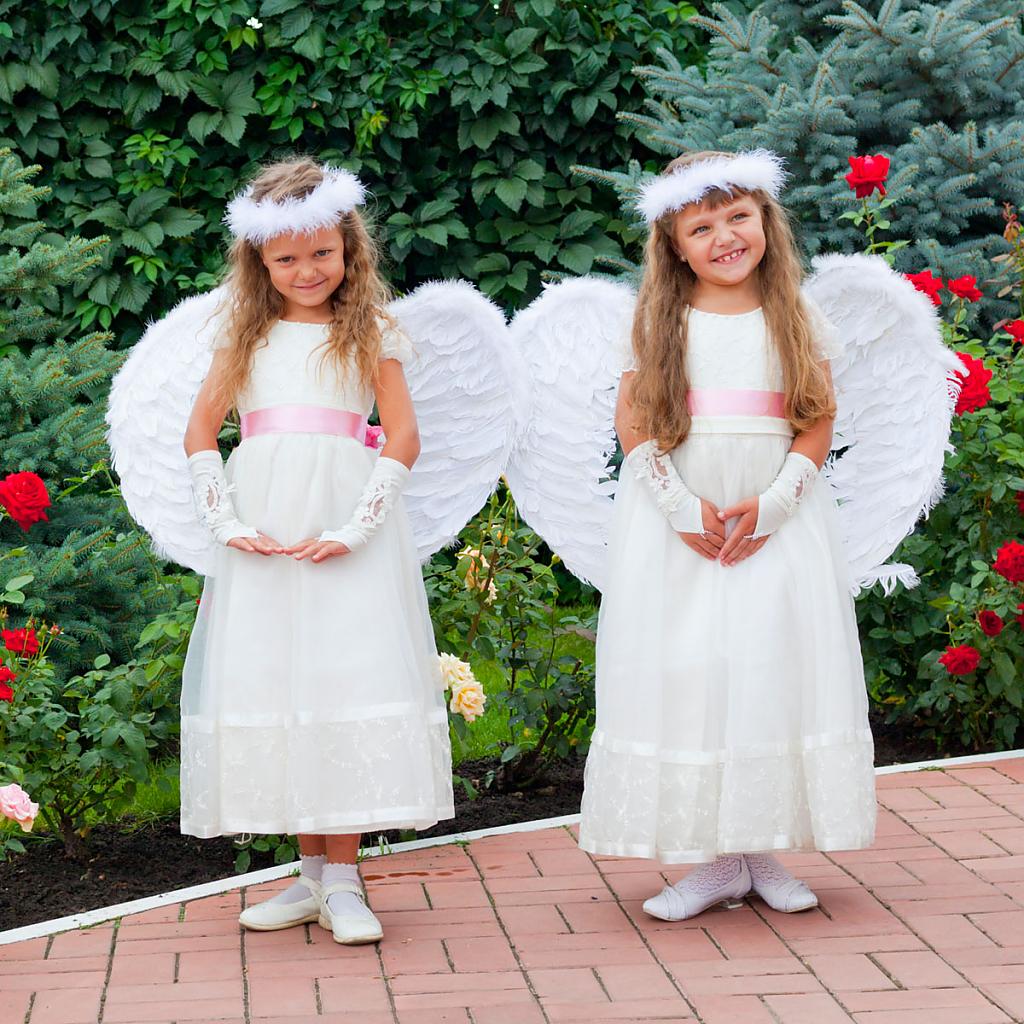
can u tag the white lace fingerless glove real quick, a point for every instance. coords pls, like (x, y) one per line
(378, 498)
(780, 501)
(677, 504)
(211, 492)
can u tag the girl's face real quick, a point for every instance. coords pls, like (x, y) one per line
(723, 245)
(306, 269)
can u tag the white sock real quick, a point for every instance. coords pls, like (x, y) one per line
(706, 878)
(345, 903)
(312, 867)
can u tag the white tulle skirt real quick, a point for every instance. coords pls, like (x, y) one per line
(731, 705)
(311, 698)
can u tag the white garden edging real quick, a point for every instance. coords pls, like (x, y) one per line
(99, 916)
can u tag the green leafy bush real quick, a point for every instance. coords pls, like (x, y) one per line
(82, 745)
(498, 603)
(464, 117)
(973, 697)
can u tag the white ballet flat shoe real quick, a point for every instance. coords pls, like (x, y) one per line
(677, 902)
(270, 916)
(779, 889)
(349, 929)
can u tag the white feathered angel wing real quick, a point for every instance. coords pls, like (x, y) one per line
(467, 391)
(574, 339)
(895, 390)
(151, 398)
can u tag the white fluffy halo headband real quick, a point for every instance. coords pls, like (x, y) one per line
(755, 169)
(339, 193)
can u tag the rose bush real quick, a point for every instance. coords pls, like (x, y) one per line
(949, 655)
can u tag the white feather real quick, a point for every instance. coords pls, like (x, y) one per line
(896, 388)
(340, 192)
(757, 169)
(151, 399)
(464, 381)
(574, 340)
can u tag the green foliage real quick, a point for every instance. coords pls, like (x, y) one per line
(463, 117)
(91, 568)
(904, 635)
(498, 604)
(82, 746)
(936, 87)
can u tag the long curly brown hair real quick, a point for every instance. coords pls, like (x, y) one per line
(659, 388)
(253, 304)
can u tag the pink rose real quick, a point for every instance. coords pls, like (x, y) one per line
(374, 437)
(15, 804)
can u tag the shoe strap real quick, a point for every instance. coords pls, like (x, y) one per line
(353, 887)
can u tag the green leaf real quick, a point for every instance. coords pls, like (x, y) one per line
(511, 191)
(583, 108)
(296, 21)
(521, 39)
(19, 582)
(577, 257)
(1004, 666)
(484, 131)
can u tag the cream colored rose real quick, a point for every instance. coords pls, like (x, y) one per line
(454, 673)
(476, 568)
(468, 700)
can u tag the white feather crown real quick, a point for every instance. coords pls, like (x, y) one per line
(756, 169)
(340, 192)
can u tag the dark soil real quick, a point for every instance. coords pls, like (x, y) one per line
(132, 860)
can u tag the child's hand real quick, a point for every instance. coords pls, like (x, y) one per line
(740, 545)
(261, 545)
(316, 550)
(709, 544)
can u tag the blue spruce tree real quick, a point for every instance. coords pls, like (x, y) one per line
(92, 573)
(939, 88)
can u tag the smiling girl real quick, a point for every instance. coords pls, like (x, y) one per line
(732, 712)
(310, 699)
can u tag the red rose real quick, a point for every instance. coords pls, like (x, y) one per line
(960, 661)
(974, 393)
(868, 173)
(6, 676)
(991, 624)
(965, 287)
(925, 281)
(1015, 329)
(24, 496)
(1009, 561)
(21, 641)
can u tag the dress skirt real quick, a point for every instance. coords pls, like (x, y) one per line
(311, 698)
(732, 712)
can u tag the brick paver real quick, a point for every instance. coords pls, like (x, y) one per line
(926, 927)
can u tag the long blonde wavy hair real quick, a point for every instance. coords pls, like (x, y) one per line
(253, 304)
(660, 324)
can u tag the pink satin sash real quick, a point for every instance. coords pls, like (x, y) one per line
(304, 419)
(736, 402)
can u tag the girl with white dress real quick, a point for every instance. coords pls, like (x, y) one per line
(311, 701)
(731, 705)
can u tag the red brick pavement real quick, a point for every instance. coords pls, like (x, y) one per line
(926, 927)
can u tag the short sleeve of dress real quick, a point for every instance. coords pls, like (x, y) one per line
(826, 336)
(395, 344)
